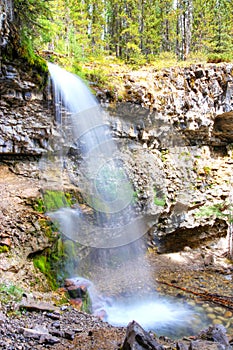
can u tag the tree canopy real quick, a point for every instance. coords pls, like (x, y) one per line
(131, 30)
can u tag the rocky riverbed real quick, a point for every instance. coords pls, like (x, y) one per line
(38, 322)
(43, 319)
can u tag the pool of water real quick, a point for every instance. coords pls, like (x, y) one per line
(164, 316)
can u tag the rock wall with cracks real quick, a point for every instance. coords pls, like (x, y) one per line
(178, 123)
(27, 130)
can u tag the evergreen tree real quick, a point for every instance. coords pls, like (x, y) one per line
(128, 29)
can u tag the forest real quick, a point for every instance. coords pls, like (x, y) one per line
(135, 31)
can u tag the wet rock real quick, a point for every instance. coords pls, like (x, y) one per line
(69, 335)
(216, 333)
(181, 346)
(137, 338)
(179, 238)
(54, 316)
(76, 289)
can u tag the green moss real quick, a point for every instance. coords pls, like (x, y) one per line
(164, 153)
(39, 205)
(86, 305)
(43, 263)
(4, 249)
(49, 228)
(69, 249)
(207, 170)
(54, 200)
(159, 200)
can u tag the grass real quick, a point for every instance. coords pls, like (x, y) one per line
(109, 71)
(10, 293)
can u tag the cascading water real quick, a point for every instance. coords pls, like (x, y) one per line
(112, 225)
(101, 172)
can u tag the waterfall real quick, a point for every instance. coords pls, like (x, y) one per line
(111, 226)
(102, 177)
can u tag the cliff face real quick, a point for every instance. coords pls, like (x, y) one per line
(26, 126)
(26, 117)
(178, 123)
(193, 99)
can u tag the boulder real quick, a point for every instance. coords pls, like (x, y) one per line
(138, 339)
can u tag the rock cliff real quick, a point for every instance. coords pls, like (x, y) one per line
(178, 123)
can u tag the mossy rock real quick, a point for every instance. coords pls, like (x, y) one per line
(43, 263)
(54, 200)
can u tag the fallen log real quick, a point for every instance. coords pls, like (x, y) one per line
(224, 301)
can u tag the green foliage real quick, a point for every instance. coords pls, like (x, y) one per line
(135, 197)
(97, 76)
(216, 210)
(136, 32)
(27, 15)
(10, 293)
(219, 57)
(26, 51)
(39, 206)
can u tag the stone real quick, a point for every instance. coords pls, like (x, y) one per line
(216, 333)
(223, 126)
(2, 318)
(37, 306)
(53, 315)
(228, 314)
(204, 345)
(208, 260)
(69, 335)
(181, 346)
(36, 332)
(138, 339)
